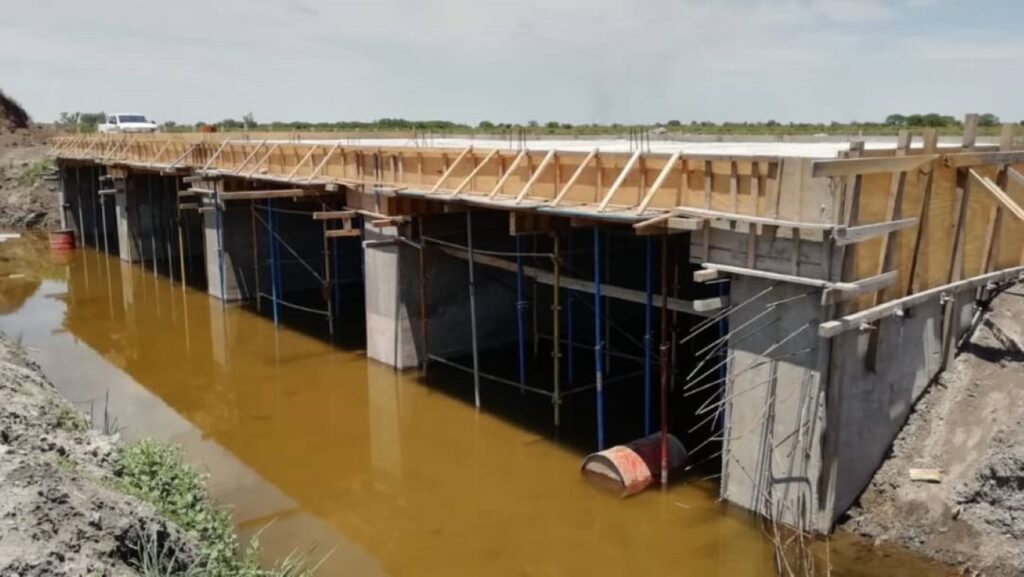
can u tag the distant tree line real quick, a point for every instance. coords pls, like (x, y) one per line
(86, 122)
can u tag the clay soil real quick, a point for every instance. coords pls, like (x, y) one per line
(26, 200)
(970, 425)
(58, 514)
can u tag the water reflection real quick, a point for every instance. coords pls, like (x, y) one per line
(400, 478)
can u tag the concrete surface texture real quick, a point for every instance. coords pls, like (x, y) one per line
(969, 426)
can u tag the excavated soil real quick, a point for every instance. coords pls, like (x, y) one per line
(58, 515)
(970, 425)
(26, 200)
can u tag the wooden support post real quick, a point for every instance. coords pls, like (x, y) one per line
(451, 168)
(475, 172)
(660, 180)
(508, 173)
(535, 176)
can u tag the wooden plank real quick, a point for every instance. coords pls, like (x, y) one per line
(762, 220)
(263, 159)
(341, 233)
(1003, 198)
(334, 214)
(618, 181)
(707, 275)
(1015, 176)
(658, 182)
(970, 131)
(264, 194)
(931, 143)
(250, 156)
(843, 235)
(869, 165)
(215, 155)
(299, 164)
(474, 172)
(839, 326)
(863, 286)
(794, 279)
(972, 159)
(323, 163)
(575, 176)
(508, 173)
(451, 168)
(536, 176)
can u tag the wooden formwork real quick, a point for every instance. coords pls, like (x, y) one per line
(876, 225)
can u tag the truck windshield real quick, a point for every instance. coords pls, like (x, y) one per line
(131, 118)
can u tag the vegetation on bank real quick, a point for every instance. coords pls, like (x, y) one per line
(156, 472)
(989, 123)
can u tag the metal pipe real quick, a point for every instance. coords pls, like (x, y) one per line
(327, 281)
(103, 215)
(424, 305)
(665, 355)
(648, 329)
(556, 355)
(255, 254)
(181, 248)
(271, 218)
(598, 353)
(220, 243)
(152, 223)
(336, 247)
(472, 309)
(78, 199)
(520, 312)
(570, 356)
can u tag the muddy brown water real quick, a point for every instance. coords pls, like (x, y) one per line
(312, 445)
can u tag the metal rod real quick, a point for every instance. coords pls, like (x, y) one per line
(598, 353)
(336, 247)
(520, 312)
(570, 353)
(556, 355)
(78, 199)
(94, 186)
(648, 329)
(327, 281)
(424, 305)
(273, 260)
(255, 254)
(472, 309)
(181, 252)
(152, 223)
(666, 345)
(103, 215)
(220, 242)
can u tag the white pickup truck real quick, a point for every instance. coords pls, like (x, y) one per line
(127, 123)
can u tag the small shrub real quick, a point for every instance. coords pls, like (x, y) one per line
(69, 419)
(35, 171)
(157, 473)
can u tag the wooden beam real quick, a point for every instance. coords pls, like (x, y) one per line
(536, 176)
(451, 168)
(869, 285)
(1003, 198)
(475, 172)
(264, 194)
(763, 220)
(618, 181)
(575, 176)
(323, 163)
(658, 182)
(265, 158)
(305, 158)
(970, 159)
(1015, 176)
(216, 154)
(508, 173)
(334, 214)
(843, 235)
(794, 279)
(869, 165)
(250, 156)
(345, 232)
(838, 326)
(706, 275)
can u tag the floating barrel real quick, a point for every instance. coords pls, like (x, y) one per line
(62, 240)
(631, 468)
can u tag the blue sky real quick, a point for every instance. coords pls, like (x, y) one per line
(470, 60)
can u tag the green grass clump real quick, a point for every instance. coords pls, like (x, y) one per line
(69, 419)
(34, 172)
(157, 473)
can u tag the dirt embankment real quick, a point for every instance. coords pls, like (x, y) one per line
(27, 201)
(970, 426)
(59, 514)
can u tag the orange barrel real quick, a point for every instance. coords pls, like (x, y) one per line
(62, 240)
(631, 468)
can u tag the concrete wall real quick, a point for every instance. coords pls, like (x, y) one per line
(235, 245)
(771, 462)
(393, 296)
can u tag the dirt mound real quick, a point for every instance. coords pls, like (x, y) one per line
(970, 426)
(12, 115)
(27, 200)
(58, 515)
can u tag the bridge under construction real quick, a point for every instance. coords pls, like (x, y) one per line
(780, 311)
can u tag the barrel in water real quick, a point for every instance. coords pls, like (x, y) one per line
(631, 468)
(62, 240)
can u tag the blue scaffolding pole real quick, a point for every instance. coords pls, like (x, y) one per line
(648, 336)
(570, 354)
(220, 244)
(272, 253)
(520, 314)
(598, 345)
